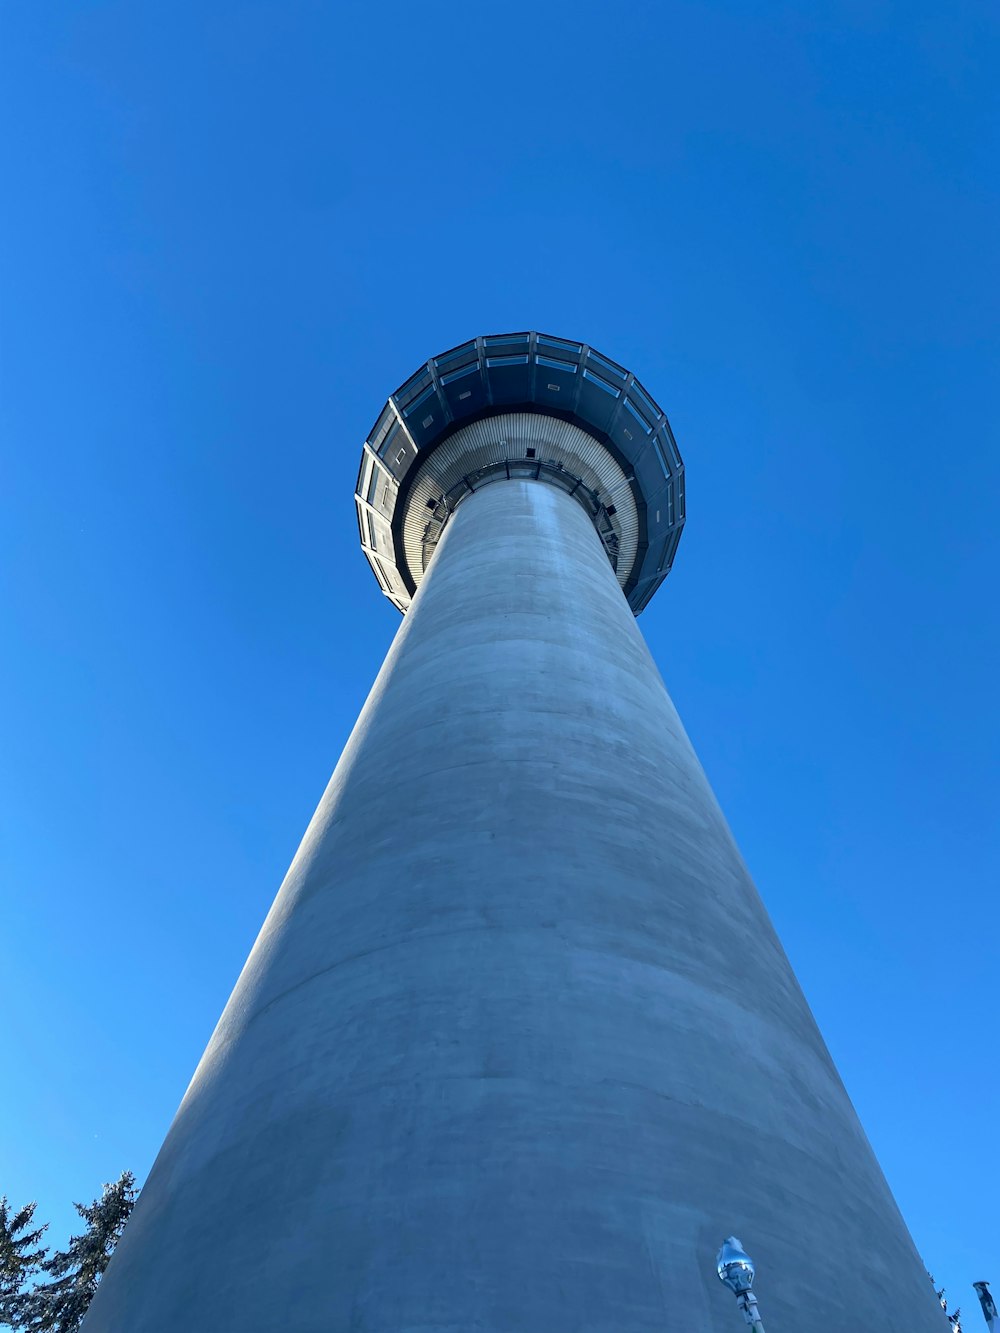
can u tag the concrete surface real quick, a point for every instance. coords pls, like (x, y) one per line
(517, 1045)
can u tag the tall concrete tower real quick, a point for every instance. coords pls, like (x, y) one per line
(517, 1045)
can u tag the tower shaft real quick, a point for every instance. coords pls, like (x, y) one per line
(517, 1043)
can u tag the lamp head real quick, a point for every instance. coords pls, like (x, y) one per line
(734, 1266)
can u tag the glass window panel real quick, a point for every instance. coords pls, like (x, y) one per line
(391, 439)
(464, 352)
(659, 455)
(672, 448)
(645, 404)
(385, 576)
(643, 425)
(507, 340)
(412, 387)
(601, 383)
(386, 418)
(461, 373)
(614, 371)
(418, 403)
(558, 342)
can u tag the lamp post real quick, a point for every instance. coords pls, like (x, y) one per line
(989, 1306)
(736, 1271)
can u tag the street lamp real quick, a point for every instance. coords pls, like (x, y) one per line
(989, 1306)
(736, 1271)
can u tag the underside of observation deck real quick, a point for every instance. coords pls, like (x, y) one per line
(524, 405)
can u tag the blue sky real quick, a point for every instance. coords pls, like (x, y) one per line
(228, 231)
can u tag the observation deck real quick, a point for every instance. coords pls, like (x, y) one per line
(521, 405)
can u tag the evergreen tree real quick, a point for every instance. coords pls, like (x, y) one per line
(59, 1306)
(21, 1257)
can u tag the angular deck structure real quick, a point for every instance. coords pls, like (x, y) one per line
(517, 1045)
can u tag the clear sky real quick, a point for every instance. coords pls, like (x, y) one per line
(230, 230)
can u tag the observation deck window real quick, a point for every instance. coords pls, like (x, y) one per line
(601, 383)
(633, 411)
(614, 372)
(560, 345)
(644, 403)
(466, 351)
(373, 486)
(459, 374)
(420, 402)
(507, 340)
(659, 454)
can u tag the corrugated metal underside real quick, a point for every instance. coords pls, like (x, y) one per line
(511, 436)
